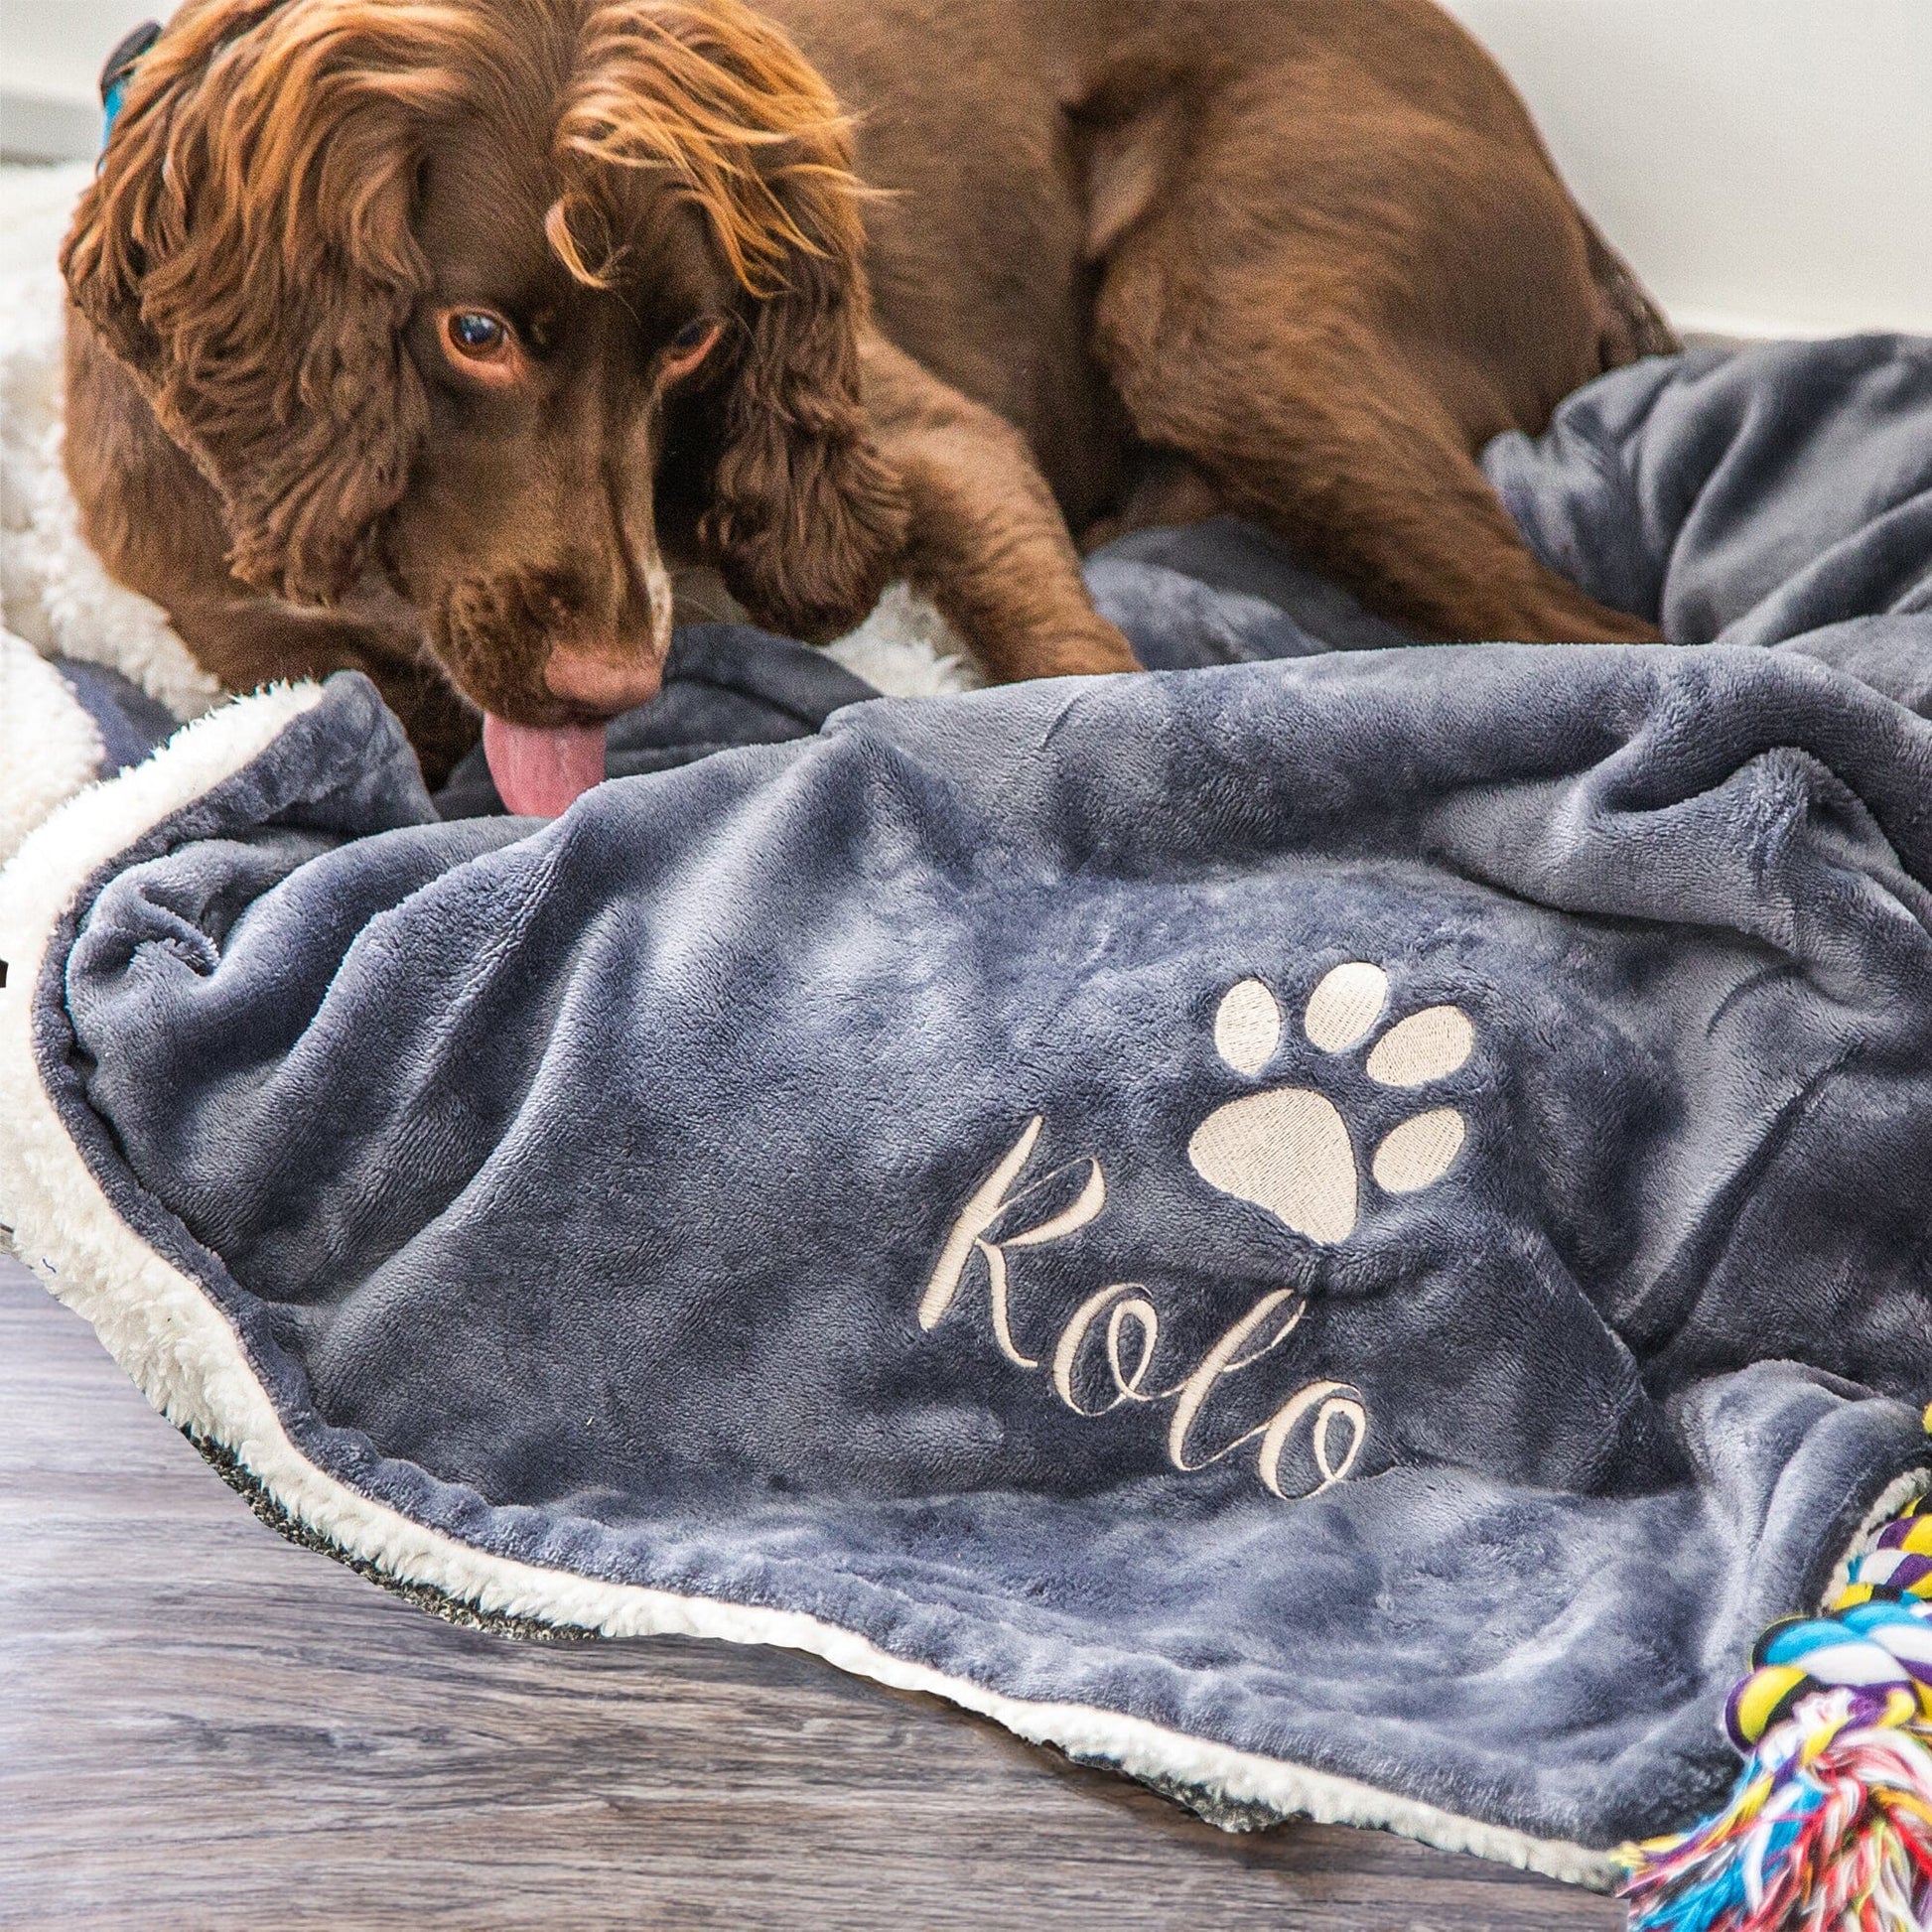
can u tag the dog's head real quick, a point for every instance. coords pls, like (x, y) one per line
(481, 294)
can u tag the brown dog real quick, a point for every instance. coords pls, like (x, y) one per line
(415, 335)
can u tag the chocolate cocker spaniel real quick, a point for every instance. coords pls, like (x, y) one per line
(422, 336)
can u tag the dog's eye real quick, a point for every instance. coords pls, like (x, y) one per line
(479, 335)
(690, 345)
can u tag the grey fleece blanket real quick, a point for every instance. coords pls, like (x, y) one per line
(1343, 1231)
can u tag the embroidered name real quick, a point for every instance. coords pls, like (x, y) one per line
(1113, 1338)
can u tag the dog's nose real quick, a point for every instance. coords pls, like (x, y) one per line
(604, 684)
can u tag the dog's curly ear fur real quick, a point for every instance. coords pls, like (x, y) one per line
(245, 249)
(805, 518)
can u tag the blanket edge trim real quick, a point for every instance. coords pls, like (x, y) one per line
(180, 1349)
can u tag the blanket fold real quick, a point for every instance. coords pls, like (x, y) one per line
(1093, 1189)
(1344, 1231)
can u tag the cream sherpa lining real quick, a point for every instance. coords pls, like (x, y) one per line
(49, 746)
(166, 1333)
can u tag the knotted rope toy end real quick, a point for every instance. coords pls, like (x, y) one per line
(1829, 1827)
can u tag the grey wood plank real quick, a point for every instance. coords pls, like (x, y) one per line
(204, 1728)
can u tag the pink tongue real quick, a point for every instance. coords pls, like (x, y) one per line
(539, 771)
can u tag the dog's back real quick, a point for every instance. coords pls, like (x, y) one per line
(1017, 143)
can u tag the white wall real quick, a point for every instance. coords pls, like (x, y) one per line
(55, 46)
(1766, 164)
(51, 54)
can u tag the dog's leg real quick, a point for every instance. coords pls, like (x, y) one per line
(1359, 465)
(987, 541)
(1360, 470)
(1328, 337)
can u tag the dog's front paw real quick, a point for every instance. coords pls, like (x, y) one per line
(1064, 642)
(1096, 648)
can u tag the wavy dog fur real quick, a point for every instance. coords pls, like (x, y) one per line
(803, 513)
(246, 250)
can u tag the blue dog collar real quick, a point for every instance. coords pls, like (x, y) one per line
(119, 71)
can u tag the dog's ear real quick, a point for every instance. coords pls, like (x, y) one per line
(246, 248)
(804, 517)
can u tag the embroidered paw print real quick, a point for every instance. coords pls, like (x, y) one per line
(1288, 1148)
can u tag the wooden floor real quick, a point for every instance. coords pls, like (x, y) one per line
(204, 1728)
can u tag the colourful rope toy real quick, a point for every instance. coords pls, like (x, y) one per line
(1829, 1828)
